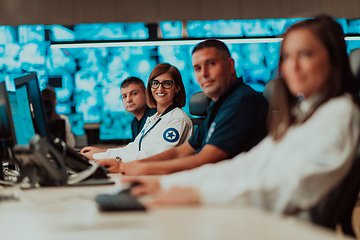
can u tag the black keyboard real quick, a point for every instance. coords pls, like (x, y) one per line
(122, 201)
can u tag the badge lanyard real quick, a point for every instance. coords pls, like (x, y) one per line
(144, 134)
(170, 108)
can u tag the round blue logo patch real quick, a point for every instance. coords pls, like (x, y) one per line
(171, 135)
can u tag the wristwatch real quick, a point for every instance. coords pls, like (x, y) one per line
(117, 158)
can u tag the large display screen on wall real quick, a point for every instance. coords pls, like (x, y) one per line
(87, 79)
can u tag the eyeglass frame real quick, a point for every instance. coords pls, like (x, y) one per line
(161, 83)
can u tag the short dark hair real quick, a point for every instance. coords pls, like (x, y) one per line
(132, 80)
(221, 47)
(341, 79)
(180, 97)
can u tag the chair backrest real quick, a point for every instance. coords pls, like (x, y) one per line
(57, 128)
(269, 88)
(354, 59)
(337, 207)
(197, 107)
(49, 107)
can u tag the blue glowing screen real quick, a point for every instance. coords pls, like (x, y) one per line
(22, 120)
(87, 80)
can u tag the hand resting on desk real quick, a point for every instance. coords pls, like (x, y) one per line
(151, 185)
(111, 164)
(90, 151)
(135, 168)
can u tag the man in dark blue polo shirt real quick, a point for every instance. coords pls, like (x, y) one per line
(235, 122)
(133, 96)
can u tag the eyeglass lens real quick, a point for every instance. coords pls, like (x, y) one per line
(166, 84)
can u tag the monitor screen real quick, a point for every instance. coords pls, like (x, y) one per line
(6, 123)
(35, 101)
(22, 120)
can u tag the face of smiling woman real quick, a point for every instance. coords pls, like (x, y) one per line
(164, 97)
(305, 63)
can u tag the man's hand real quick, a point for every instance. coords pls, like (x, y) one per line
(90, 151)
(111, 163)
(175, 196)
(135, 168)
(146, 185)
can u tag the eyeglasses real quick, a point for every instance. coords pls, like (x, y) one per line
(165, 84)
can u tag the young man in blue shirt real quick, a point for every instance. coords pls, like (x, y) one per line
(235, 122)
(133, 96)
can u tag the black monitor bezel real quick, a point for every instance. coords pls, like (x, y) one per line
(41, 128)
(5, 98)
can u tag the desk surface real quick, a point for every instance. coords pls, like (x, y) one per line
(71, 213)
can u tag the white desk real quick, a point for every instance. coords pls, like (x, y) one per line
(71, 213)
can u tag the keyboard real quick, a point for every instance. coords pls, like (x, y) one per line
(122, 201)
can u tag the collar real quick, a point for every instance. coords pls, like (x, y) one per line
(228, 91)
(169, 109)
(145, 115)
(305, 107)
(233, 86)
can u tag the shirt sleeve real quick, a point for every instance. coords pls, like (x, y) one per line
(196, 139)
(294, 182)
(237, 131)
(158, 144)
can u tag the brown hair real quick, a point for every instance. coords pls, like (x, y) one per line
(221, 48)
(341, 79)
(49, 97)
(133, 80)
(180, 97)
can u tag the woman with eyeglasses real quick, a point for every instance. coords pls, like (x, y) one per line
(168, 128)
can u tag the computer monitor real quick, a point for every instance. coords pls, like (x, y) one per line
(16, 125)
(21, 115)
(35, 102)
(7, 132)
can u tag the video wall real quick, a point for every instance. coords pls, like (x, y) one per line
(87, 79)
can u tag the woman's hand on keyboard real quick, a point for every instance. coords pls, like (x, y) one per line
(90, 151)
(145, 184)
(175, 196)
(134, 168)
(111, 164)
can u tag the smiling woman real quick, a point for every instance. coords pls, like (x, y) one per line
(168, 128)
(165, 87)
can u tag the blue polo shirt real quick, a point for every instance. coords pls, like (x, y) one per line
(137, 125)
(235, 123)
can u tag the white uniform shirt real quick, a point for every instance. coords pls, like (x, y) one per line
(158, 134)
(292, 173)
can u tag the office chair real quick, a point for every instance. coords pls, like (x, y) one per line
(197, 106)
(354, 59)
(269, 88)
(56, 127)
(337, 207)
